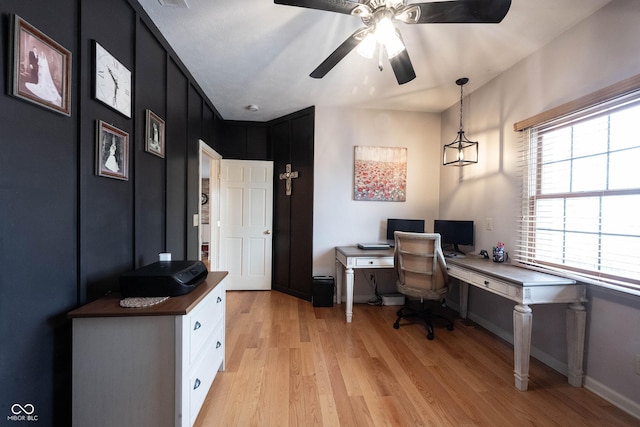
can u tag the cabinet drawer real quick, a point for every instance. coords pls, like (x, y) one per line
(374, 262)
(458, 272)
(203, 372)
(203, 320)
(494, 285)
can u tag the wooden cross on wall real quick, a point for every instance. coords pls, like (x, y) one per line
(288, 176)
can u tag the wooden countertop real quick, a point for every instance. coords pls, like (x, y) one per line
(109, 305)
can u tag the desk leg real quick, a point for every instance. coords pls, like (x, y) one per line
(576, 323)
(339, 275)
(349, 309)
(522, 324)
(464, 298)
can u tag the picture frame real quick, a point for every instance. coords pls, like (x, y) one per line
(112, 151)
(112, 81)
(380, 174)
(154, 134)
(41, 68)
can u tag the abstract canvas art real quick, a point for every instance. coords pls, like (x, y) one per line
(380, 174)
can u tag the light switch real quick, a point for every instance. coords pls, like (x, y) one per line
(196, 220)
(488, 224)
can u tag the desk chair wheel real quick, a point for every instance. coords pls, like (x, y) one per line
(396, 325)
(430, 335)
(450, 327)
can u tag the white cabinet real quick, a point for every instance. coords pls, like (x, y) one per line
(147, 367)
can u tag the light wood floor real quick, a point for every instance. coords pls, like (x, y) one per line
(291, 364)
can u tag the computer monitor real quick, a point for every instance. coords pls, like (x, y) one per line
(409, 225)
(454, 233)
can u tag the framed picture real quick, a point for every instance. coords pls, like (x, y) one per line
(41, 68)
(112, 81)
(380, 174)
(112, 151)
(154, 135)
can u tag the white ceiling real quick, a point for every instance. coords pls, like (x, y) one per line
(256, 52)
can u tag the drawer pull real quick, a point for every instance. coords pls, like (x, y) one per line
(196, 384)
(486, 283)
(218, 344)
(219, 299)
(197, 326)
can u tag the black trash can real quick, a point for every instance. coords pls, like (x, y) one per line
(322, 292)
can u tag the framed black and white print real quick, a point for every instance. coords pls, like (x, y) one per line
(41, 68)
(154, 134)
(112, 151)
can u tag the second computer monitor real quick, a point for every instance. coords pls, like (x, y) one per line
(454, 233)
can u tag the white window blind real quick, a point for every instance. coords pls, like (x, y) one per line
(581, 194)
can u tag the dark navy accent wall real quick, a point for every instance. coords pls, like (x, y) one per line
(66, 234)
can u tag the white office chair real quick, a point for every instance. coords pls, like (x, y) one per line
(422, 273)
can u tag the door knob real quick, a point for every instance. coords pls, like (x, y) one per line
(267, 231)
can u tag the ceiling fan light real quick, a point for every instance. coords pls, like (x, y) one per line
(385, 30)
(367, 46)
(388, 37)
(394, 46)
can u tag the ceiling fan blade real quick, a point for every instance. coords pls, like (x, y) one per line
(339, 6)
(463, 11)
(402, 67)
(347, 46)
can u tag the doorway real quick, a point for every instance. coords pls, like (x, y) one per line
(209, 210)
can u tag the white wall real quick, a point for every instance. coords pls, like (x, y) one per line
(600, 51)
(338, 220)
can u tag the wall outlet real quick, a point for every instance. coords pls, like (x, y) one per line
(488, 223)
(637, 364)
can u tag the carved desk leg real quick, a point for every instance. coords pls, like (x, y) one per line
(339, 276)
(349, 309)
(522, 325)
(464, 298)
(576, 323)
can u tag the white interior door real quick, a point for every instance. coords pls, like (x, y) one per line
(246, 217)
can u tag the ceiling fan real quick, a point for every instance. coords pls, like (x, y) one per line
(379, 17)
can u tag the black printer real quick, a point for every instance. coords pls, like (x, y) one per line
(163, 279)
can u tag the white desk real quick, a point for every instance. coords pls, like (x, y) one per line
(525, 287)
(350, 257)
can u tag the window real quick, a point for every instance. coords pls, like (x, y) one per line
(581, 193)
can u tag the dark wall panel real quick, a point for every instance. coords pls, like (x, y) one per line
(38, 233)
(150, 169)
(66, 234)
(176, 161)
(195, 127)
(292, 142)
(106, 208)
(245, 141)
(302, 204)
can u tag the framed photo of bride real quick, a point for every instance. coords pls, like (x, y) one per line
(41, 68)
(112, 151)
(154, 135)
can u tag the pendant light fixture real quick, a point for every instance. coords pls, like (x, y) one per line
(461, 151)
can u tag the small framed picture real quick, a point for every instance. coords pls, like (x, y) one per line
(154, 135)
(41, 68)
(112, 151)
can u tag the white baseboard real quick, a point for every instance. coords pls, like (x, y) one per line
(629, 406)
